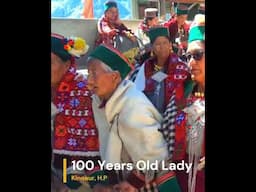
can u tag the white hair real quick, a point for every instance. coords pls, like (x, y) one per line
(106, 67)
(199, 20)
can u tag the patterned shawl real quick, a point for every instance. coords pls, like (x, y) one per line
(173, 127)
(75, 133)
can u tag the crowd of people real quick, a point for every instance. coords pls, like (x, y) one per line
(158, 115)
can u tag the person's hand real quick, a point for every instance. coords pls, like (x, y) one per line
(201, 164)
(124, 187)
(131, 36)
(101, 188)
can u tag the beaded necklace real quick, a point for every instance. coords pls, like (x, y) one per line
(157, 67)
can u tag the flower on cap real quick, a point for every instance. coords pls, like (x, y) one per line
(76, 46)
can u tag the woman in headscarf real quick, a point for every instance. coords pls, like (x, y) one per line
(164, 79)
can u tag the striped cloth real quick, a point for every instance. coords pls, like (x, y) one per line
(168, 125)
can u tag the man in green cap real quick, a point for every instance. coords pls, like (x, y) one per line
(128, 125)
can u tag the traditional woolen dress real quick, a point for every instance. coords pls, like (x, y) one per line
(75, 136)
(194, 181)
(175, 75)
(129, 119)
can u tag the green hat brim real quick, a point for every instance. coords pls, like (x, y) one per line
(181, 9)
(181, 12)
(196, 33)
(57, 47)
(114, 59)
(155, 32)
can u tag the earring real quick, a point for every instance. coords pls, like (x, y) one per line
(151, 53)
(171, 50)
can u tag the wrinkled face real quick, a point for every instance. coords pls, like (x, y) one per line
(196, 60)
(162, 47)
(181, 19)
(101, 80)
(58, 69)
(112, 14)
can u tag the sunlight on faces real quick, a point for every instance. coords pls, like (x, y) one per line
(58, 69)
(101, 79)
(161, 47)
(112, 14)
(197, 66)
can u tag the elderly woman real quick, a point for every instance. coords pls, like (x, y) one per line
(75, 136)
(109, 25)
(128, 123)
(162, 77)
(194, 181)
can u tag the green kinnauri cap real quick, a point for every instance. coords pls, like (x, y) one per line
(196, 33)
(155, 32)
(57, 46)
(65, 47)
(113, 58)
(181, 9)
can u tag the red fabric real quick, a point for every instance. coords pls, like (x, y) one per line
(171, 84)
(172, 25)
(108, 30)
(74, 126)
(136, 180)
(182, 177)
(143, 27)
